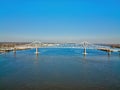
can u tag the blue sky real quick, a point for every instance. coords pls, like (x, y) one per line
(60, 20)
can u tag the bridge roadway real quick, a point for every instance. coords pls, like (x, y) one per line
(84, 45)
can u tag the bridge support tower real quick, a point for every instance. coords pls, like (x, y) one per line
(109, 52)
(85, 44)
(84, 51)
(14, 50)
(36, 51)
(119, 52)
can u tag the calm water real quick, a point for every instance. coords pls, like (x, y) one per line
(59, 69)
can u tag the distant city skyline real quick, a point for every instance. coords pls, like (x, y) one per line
(96, 21)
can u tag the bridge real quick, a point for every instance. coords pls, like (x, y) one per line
(83, 45)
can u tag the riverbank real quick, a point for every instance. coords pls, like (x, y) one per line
(10, 46)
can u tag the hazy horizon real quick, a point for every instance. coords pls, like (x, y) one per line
(60, 21)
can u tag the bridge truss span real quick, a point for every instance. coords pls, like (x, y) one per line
(83, 45)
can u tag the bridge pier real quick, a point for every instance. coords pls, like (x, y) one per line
(36, 51)
(109, 52)
(85, 44)
(119, 53)
(84, 51)
(14, 50)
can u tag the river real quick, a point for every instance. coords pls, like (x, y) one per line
(59, 69)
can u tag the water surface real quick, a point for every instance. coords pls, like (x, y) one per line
(59, 69)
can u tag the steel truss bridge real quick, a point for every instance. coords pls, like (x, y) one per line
(83, 45)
